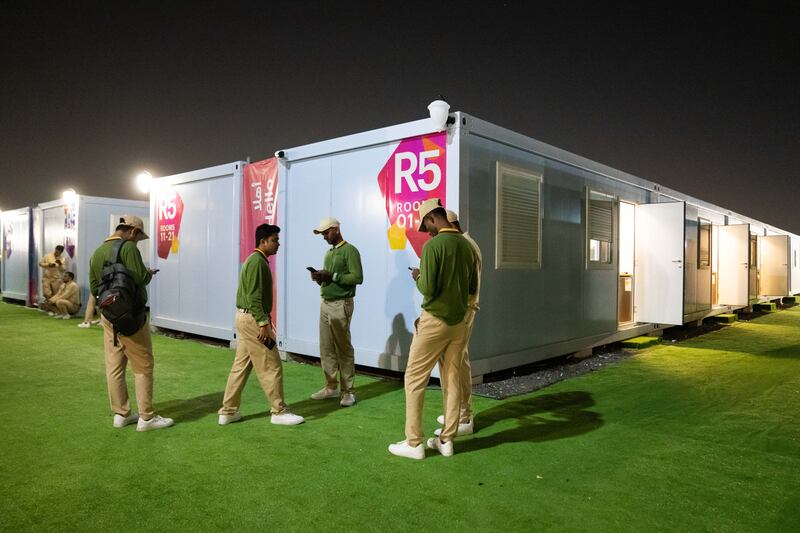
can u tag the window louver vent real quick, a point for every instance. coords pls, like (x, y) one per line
(518, 218)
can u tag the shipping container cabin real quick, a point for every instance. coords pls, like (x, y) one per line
(575, 253)
(194, 242)
(18, 276)
(80, 224)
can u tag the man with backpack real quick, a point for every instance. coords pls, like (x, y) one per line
(118, 277)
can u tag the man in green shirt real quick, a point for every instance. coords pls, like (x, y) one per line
(138, 348)
(465, 423)
(255, 345)
(446, 277)
(338, 279)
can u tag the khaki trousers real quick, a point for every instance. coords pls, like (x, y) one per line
(434, 341)
(250, 353)
(65, 307)
(335, 348)
(137, 348)
(465, 374)
(50, 287)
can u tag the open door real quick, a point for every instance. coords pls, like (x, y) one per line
(775, 265)
(659, 263)
(734, 264)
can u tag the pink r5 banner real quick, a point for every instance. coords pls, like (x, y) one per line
(259, 206)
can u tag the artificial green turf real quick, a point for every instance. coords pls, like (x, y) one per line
(702, 435)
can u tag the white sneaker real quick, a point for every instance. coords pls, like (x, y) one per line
(348, 399)
(95, 322)
(84, 325)
(325, 393)
(463, 429)
(445, 448)
(156, 422)
(224, 420)
(402, 449)
(50, 313)
(287, 419)
(65, 317)
(122, 421)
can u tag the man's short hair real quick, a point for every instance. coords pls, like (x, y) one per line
(123, 227)
(265, 231)
(439, 212)
(70, 274)
(60, 248)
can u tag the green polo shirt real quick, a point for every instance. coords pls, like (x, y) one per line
(447, 276)
(344, 262)
(129, 256)
(255, 287)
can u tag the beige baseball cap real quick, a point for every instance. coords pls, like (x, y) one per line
(326, 223)
(134, 222)
(424, 208)
(452, 216)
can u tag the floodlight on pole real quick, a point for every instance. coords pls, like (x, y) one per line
(144, 181)
(69, 194)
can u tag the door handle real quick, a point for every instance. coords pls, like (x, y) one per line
(677, 261)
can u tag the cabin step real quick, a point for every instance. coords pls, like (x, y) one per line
(767, 307)
(790, 299)
(724, 318)
(638, 343)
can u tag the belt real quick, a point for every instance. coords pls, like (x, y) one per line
(337, 299)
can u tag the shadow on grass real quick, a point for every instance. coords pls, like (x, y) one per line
(539, 419)
(315, 409)
(787, 352)
(191, 408)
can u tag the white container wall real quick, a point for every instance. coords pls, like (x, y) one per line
(194, 229)
(347, 185)
(17, 226)
(81, 225)
(795, 261)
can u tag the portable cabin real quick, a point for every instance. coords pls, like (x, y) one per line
(194, 230)
(80, 224)
(18, 277)
(575, 253)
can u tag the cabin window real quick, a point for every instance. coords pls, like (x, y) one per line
(600, 228)
(518, 218)
(703, 244)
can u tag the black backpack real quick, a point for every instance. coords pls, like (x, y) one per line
(119, 297)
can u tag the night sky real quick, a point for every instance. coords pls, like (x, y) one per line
(704, 100)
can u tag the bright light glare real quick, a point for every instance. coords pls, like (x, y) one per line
(69, 195)
(144, 181)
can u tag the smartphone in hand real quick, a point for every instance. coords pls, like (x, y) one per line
(269, 343)
(311, 269)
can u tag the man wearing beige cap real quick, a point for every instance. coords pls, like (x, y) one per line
(465, 423)
(446, 277)
(136, 347)
(341, 272)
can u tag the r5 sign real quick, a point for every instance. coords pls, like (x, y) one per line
(406, 164)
